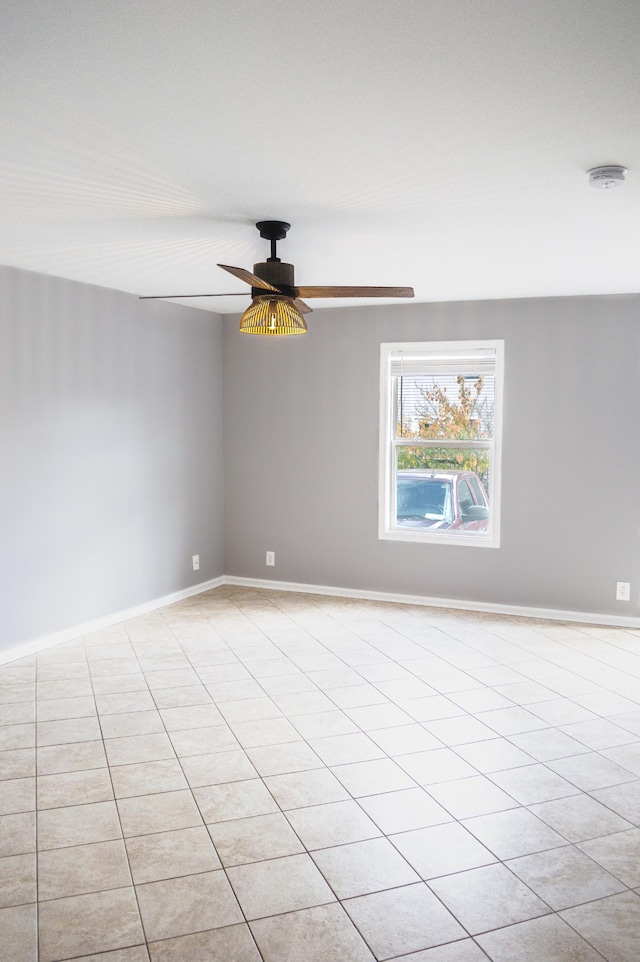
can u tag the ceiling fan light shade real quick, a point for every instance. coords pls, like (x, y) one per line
(272, 315)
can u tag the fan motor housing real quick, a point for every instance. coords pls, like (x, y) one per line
(277, 273)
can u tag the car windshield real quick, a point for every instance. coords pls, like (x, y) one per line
(424, 498)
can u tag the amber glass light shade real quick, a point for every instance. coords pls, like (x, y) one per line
(272, 315)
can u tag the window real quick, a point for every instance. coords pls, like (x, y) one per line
(440, 432)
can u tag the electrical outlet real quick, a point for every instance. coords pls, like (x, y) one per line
(623, 591)
(195, 559)
(271, 558)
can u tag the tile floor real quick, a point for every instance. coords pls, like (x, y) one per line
(253, 775)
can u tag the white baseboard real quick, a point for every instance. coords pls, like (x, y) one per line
(518, 611)
(48, 641)
(545, 614)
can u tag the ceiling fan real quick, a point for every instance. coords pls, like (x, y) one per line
(277, 306)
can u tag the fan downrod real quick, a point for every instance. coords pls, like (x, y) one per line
(273, 230)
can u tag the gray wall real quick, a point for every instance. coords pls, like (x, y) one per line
(110, 452)
(301, 454)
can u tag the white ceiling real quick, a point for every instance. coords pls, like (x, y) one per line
(436, 143)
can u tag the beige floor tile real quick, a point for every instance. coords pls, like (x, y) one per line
(599, 733)
(403, 920)
(67, 731)
(17, 833)
(373, 717)
(148, 814)
(88, 923)
(138, 748)
(192, 903)
(287, 684)
(64, 708)
(591, 771)
(464, 950)
(18, 713)
(512, 721)
(372, 777)
(547, 939)
(17, 795)
(268, 731)
(430, 708)
(533, 783)
(217, 768)
(618, 853)
(580, 817)
(282, 759)
(181, 697)
(513, 833)
(17, 880)
(626, 756)
(64, 688)
(171, 678)
(404, 739)
(402, 689)
(78, 870)
(135, 953)
(279, 885)
(126, 702)
(547, 744)
(235, 690)
(439, 765)
(230, 671)
(15, 687)
(623, 799)
(232, 943)
(219, 803)
(187, 851)
(131, 723)
(363, 867)
(249, 709)
(324, 724)
(63, 671)
(317, 934)
(203, 741)
(487, 898)
(303, 703)
(610, 925)
(565, 877)
(460, 730)
(345, 749)
(404, 811)
(71, 758)
(17, 736)
(255, 839)
(19, 933)
(441, 850)
(191, 716)
(78, 825)
(148, 778)
(118, 685)
(336, 823)
(357, 696)
(18, 763)
(69, 788)
(495, 755)
(468, 797)
(300, 789)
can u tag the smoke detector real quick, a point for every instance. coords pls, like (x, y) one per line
(607, 177)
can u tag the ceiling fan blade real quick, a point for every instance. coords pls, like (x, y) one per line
(355, 291)
(252, 279)
(302, 307)
(167, 297)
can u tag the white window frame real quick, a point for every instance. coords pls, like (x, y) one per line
(389, 443)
